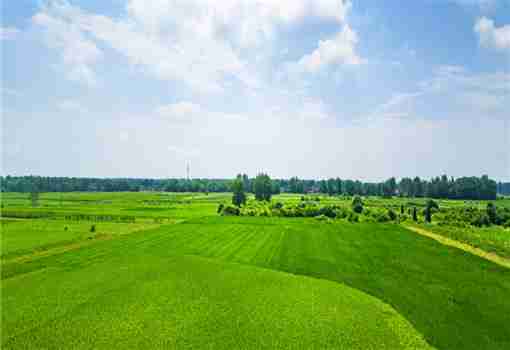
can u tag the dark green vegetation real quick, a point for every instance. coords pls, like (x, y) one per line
(182, 276)
(473, 188)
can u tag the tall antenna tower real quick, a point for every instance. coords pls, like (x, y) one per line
(187, 171)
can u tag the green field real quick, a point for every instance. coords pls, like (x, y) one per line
(180, 276)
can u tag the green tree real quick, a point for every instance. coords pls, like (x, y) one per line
(332, 187)
(262, 186)
(389, 187)
(34, 193)
(428, 210)
(492, 213)
(238, 196)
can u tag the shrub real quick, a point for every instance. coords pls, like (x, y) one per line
(357, 204)
(230, 211)
(481, 220)
(353, 217)
(93, 228)
(392, 215)
(327, 211)
(278, 205)
(382, 217)
(322, 218)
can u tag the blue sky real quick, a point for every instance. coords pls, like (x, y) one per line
(355, 89)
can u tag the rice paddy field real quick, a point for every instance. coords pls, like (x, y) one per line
(164, 270)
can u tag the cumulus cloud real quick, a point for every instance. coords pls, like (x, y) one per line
(8, 33)
(338, 50)
(491, 36)
(201, 43)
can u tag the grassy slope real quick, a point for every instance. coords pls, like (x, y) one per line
(456, 300)
(190, 302)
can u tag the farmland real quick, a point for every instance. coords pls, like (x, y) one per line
(166, 270)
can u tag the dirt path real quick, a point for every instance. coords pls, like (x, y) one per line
(466, 247)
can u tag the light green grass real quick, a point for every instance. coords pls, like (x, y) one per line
(494, 239)
(194, 303)
(20, 237)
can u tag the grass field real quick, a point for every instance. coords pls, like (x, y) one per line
(199, 280)
(494, 239)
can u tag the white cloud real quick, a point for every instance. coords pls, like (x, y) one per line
(78, 53)
(456, 93)
(8, 33)
(338, 50)
(491, 36)
(202, 43)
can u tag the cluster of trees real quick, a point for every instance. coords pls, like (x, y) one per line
(262, 186)
(477, 188)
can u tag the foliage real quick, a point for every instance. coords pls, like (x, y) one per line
(262, 187)
(357, 204)
(230, 211)
(472, 188)
(238, 196)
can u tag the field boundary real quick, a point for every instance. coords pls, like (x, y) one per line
(493, 257)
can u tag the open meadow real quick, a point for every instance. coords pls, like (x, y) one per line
(145, 270)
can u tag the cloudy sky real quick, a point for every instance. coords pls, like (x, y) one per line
(363, 89)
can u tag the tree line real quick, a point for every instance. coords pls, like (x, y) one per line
(475, 188)
(80, 184)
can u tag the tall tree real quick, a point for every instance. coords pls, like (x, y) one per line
(262, 186)
(238, 196)
(34, 192)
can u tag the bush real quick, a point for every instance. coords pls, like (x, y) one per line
(230, 211)
(327, 211)
(278, 205)
(93, 228)
(353, 217)
(481, 220)
(357, 204)
(381, 217)
(392, 215)
(322, 218)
